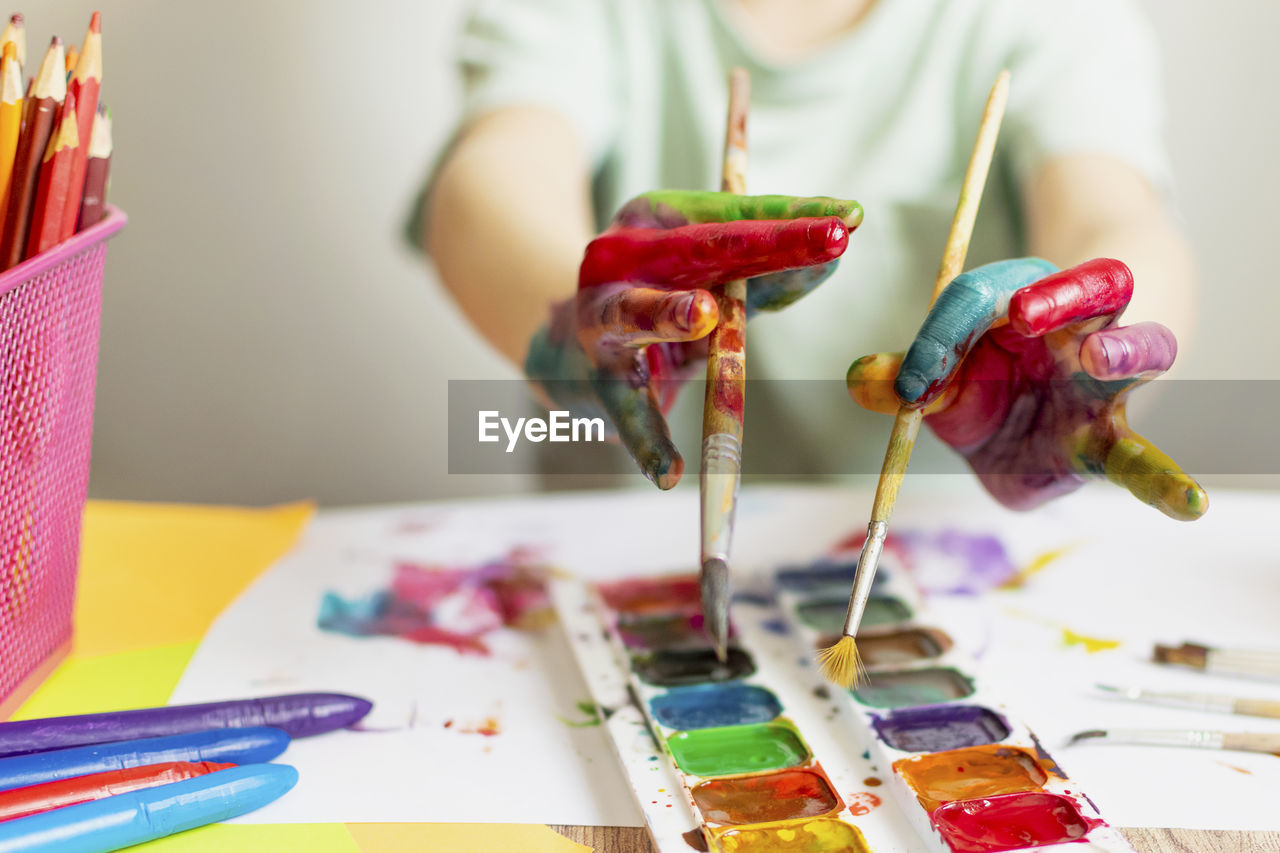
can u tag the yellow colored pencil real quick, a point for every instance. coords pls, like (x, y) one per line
(15, 33)
(10, 120)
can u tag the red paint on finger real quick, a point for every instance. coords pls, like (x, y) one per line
(1098, 288)
(694, 255)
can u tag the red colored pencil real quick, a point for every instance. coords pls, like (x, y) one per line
(85, 84)
(52, 193)
(48, 89)
(98, 172)
(33, 799)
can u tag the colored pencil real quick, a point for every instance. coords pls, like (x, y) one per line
(69, 63)
(54, 186)
(840, 662)
(723, 406)
(141, 816)
(48, 90)
(10, 119)
(85, 83)
(298, 715)
(98, 172)
(33, 799)
(16, 32)
(237, 746)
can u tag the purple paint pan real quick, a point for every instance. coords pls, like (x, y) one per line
(298, 714)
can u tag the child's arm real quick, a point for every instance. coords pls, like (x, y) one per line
(507, 221)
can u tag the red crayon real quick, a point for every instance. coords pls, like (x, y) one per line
(47, 91)
(98, 172)
(52, 194)
(85, 83)
(21, 802)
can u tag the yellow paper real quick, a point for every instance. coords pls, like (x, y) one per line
(461, 838)
(159, 574)
(139, 679)
(259, 838)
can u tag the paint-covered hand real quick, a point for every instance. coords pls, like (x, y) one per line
(1023, 369)
(637, 328)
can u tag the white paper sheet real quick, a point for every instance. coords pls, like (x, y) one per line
(1131, 575)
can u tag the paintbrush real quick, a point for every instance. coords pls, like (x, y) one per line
(1215, 702)
(722, 409)
(1242, 741)
(840, 663)
(1251, 663)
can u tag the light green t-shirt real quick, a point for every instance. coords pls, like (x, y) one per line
(886, 115)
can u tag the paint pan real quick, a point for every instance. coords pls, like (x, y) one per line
(784, 795)
(940, 728)
(968, 774)
(667, 631)
(738, 749)
(650, 596)
(713, 705)
(678, 667)
(826, 615)
(905, 688)
(1011, 822)
(811, 836)
(893, 647)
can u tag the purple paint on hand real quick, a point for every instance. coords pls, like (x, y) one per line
(298, 714)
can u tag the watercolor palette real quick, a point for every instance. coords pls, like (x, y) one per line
(759, 755)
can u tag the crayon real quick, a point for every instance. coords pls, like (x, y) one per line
(240, 746)
(33, 799)
(48, 90)
(98, 172)
(85, 83)
(140, 816)
(298, 715)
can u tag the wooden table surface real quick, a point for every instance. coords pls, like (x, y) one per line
(635, 839)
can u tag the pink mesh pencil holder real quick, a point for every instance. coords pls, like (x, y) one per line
(49, 312)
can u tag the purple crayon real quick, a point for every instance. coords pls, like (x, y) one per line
(299, 714)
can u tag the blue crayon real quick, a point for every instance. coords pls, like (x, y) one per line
(251, 745)
(139, 816)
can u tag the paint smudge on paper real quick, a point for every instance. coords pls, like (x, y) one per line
(946, 562)
(1091, 644)
(1233, 767)
(1037, 565)
(488, 727)
(448, 606)
(588, 709)
(862, 803)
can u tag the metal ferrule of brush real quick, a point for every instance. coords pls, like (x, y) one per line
(864, 576)
(721, 473)
(1159, 737)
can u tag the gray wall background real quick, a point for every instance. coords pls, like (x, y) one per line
(266, 337)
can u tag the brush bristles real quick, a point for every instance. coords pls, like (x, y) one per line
(841, 664)
(1188, 654)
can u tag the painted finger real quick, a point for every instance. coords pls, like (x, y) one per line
(1137, 351)
(673, 208)
(703, 255)
(870, 382)
(777, 290)
(635, 316)
(967, 307)
(642, 429)
(1098, 288)
(1154, 478)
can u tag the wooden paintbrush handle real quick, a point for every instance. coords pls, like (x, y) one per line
(906, 426)
(1257, 707)
(1251, 742)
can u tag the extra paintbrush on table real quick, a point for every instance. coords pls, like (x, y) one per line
(723, 408)
(840, 662)
(1197, 701)
(1249, 663)
(1201, 739)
